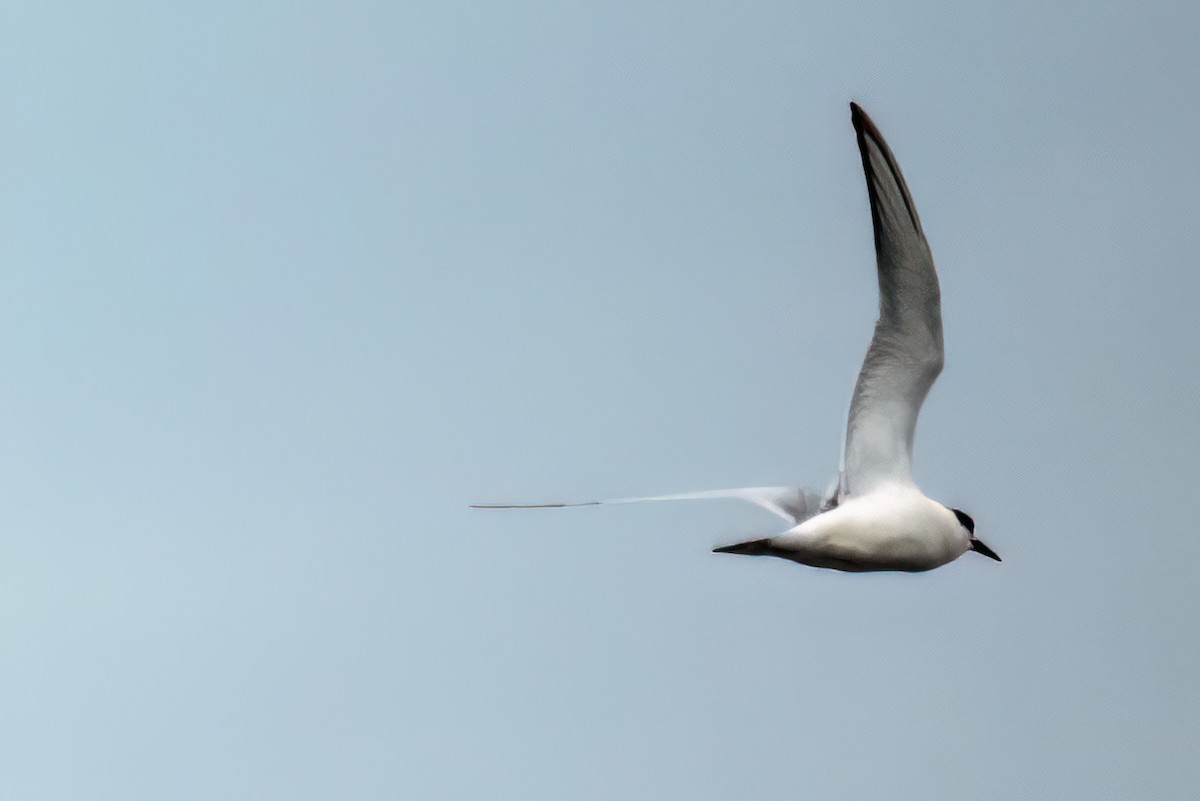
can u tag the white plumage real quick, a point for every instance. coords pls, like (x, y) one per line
(875, 518)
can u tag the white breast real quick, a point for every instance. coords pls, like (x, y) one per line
(894, 527)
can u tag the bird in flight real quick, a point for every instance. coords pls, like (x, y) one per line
(874, 517)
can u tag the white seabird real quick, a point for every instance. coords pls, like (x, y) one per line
(875, 517)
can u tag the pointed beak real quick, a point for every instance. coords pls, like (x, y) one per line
(979, 547)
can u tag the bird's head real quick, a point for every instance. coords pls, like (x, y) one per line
(976, 544)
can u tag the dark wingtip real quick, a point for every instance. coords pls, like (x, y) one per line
(865, 127)
(861, 120)
(864, 130)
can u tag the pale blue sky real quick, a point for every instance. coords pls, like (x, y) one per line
(284, 286)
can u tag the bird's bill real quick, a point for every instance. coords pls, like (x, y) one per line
(979, 547)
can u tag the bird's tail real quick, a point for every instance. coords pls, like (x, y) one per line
(792, 504)
(752, 548)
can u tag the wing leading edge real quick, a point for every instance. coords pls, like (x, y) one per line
(905, 355)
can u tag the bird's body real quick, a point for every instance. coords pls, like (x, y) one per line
(894, 527)
(875, 518)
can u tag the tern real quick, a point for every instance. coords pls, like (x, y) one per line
(874, 517)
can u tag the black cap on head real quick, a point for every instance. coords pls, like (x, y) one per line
(977, 546)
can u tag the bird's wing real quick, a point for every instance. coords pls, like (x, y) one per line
(794, 505)
(905, 355)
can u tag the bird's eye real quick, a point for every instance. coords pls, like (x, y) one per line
(965, 519)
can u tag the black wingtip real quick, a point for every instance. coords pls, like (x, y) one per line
(865, 130)
(865, 127)
(860, 119)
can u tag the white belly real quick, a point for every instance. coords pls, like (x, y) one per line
(892, 528)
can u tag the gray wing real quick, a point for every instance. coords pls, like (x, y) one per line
(905, 355)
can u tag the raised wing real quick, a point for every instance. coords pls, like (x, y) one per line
(905, 355)
(794, 505)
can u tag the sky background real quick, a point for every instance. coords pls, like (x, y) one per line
(285, 286)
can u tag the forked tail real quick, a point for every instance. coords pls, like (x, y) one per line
(792, 504)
